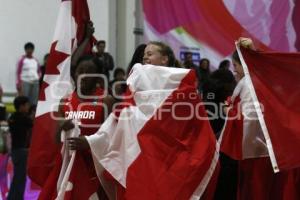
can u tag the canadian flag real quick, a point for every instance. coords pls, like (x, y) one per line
(72, 17)
(161, 145)
(262, 127)
(271, 87)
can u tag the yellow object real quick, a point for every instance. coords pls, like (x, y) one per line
(10, 107)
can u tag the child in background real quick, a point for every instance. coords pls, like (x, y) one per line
(20, 124)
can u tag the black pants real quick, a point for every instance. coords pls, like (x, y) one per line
(228, 179)
(17, 187)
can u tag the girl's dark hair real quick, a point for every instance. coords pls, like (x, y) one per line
(137, 56)
(235, 56)
(165, 50)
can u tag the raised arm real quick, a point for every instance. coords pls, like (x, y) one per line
(82, 46)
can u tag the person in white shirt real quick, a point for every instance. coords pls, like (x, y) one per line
(28, 74)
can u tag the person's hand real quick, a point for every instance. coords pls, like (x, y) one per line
(78, 143)
(226, 109)
(246, 43)
(89, 30)
(67, 125)
(227, 105)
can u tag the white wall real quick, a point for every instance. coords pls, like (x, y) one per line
(34, 20)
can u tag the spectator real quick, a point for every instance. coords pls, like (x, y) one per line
(118, 88)
(216, 90)
(225, 64)
(28, 75)
(203, 73)
(188, 61)
(20, 125)
(105, 57)
(43, 68)
(118, 85)
(119, 74)
(227, 82)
